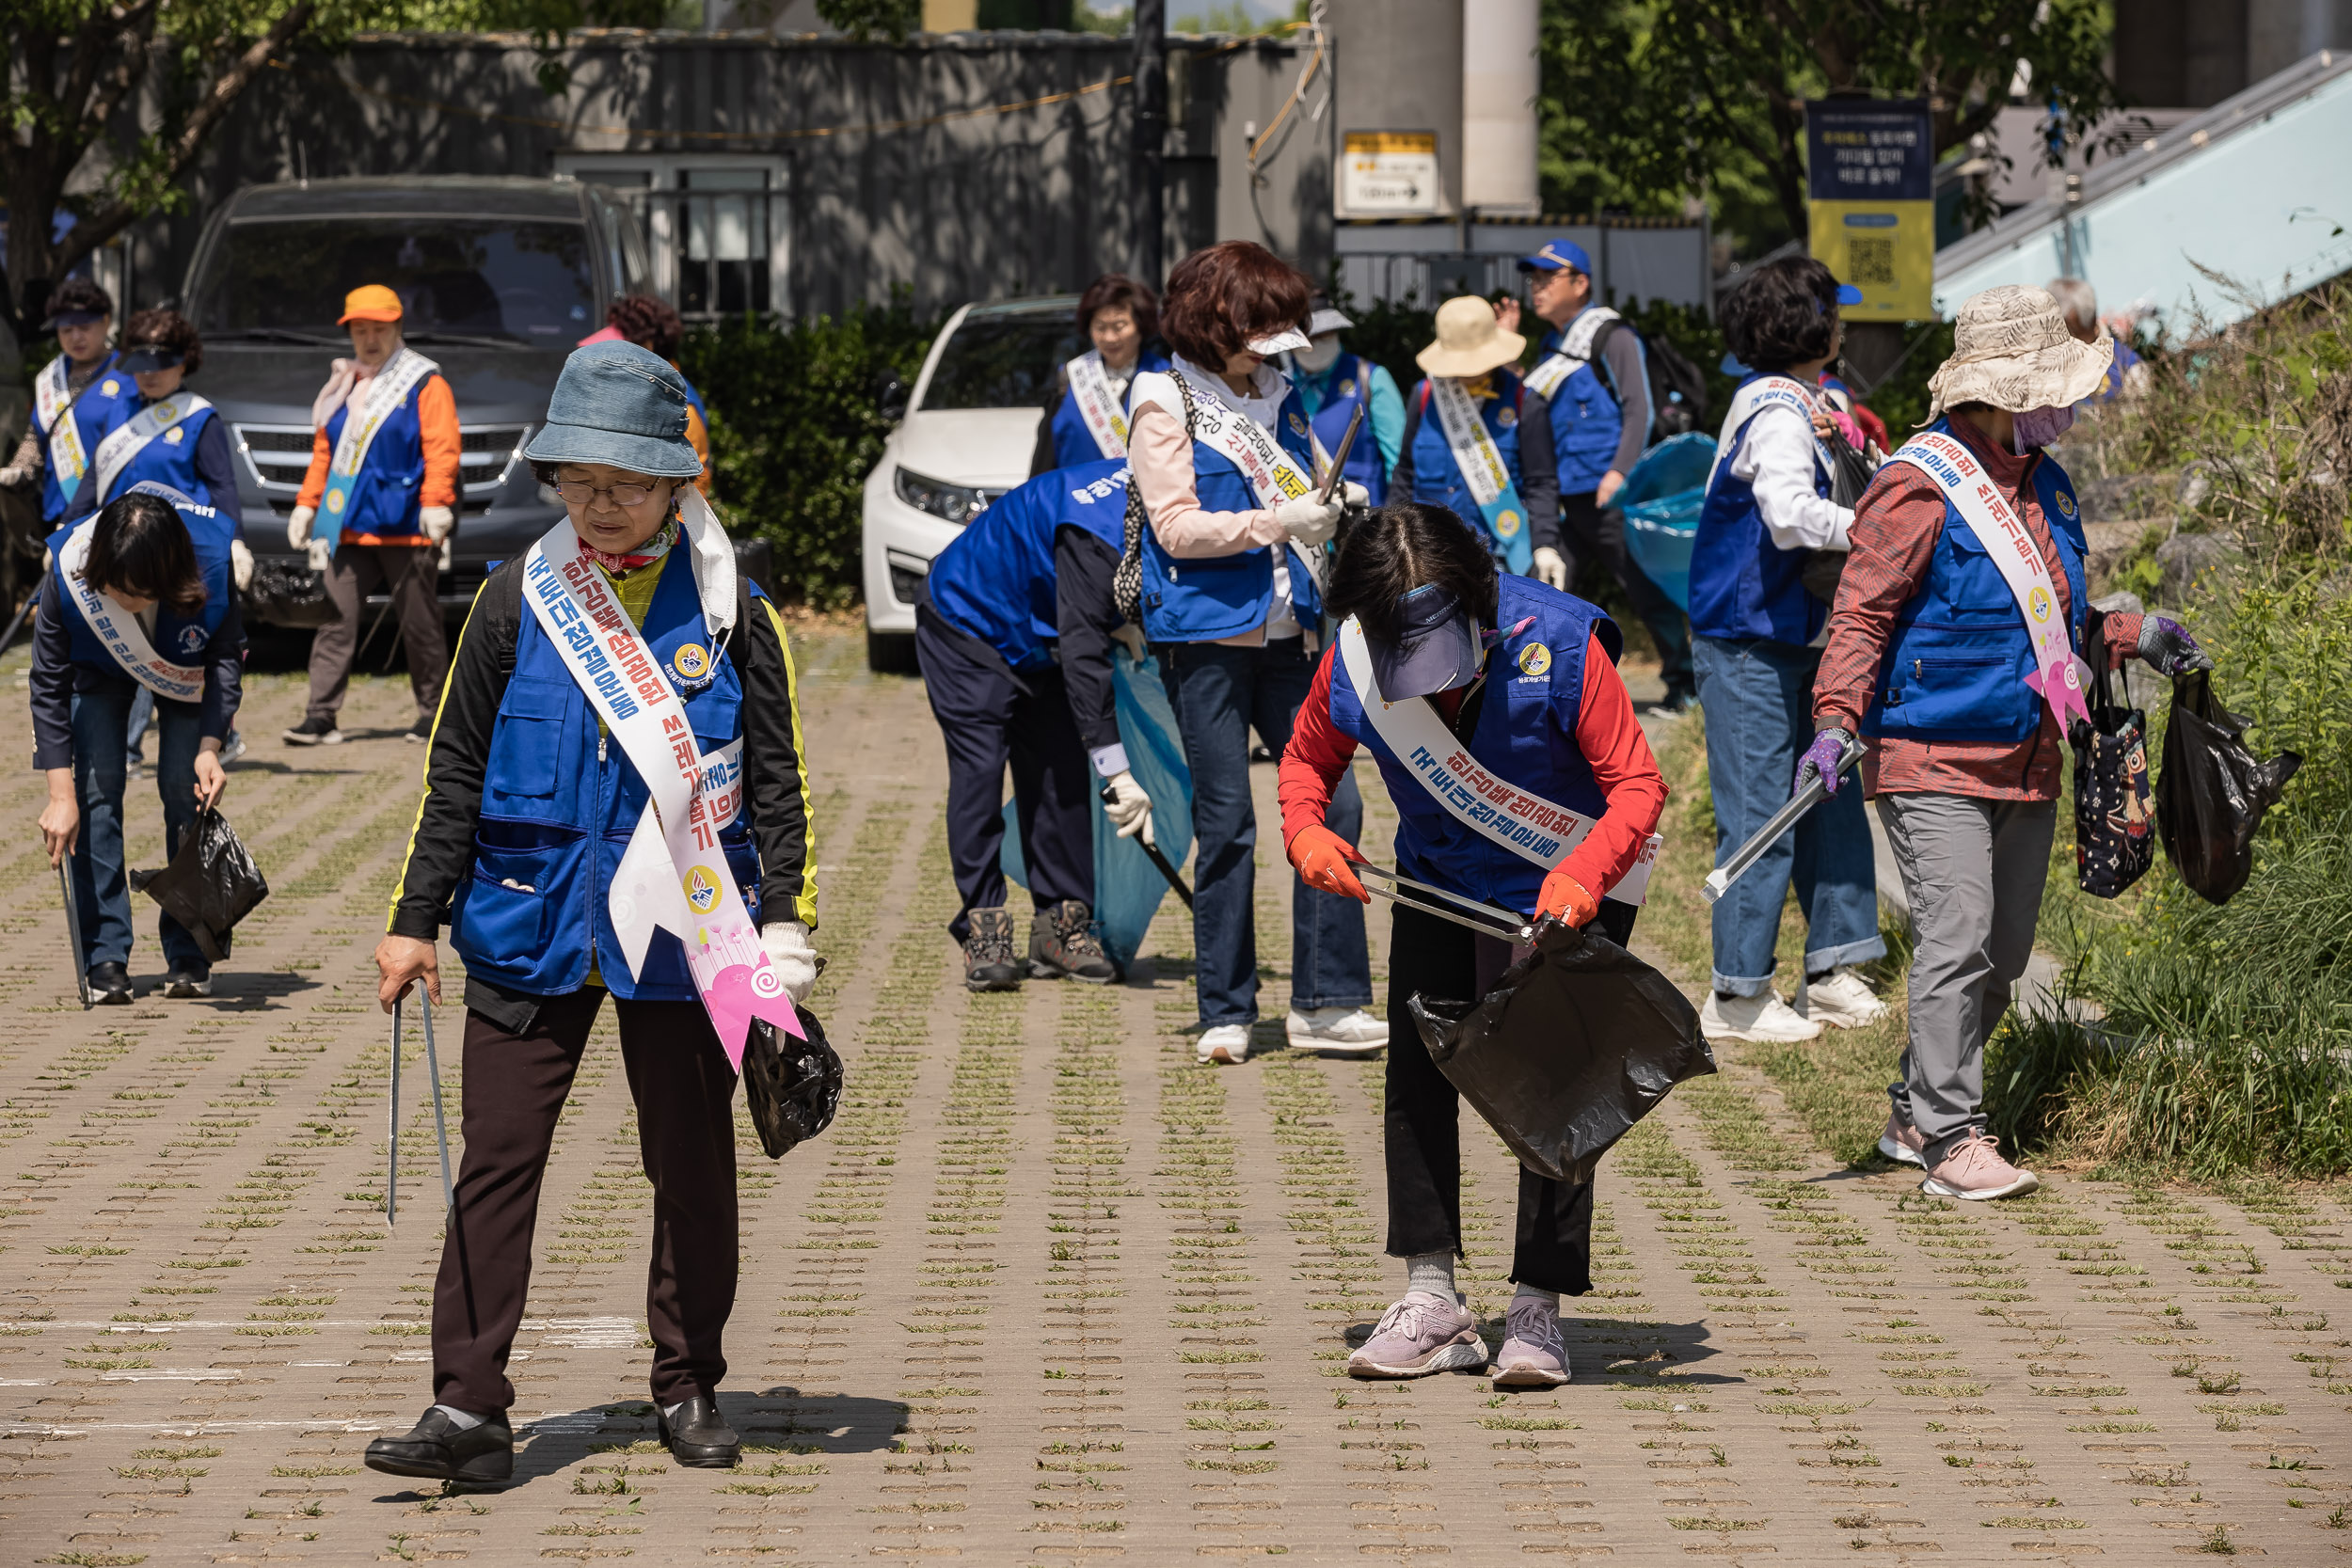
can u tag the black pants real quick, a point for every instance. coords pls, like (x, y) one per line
(986, 720)
(1436, 958)
(516, 1085)
(1591, 533)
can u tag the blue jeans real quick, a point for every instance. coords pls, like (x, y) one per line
(1758, 697)
(100, 886)
(1219, 694)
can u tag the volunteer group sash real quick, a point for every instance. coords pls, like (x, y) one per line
(1098, 406)
(1529, 826)
(119, 630)
(386, 390)
(53, 404)
(1574, 353)
(2059, 671)
(1768, 391)
(129, 439)
(1272, 473)
(1484, 470)
(682, 883)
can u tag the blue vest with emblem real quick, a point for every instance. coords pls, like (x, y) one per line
(1525, 735)
(1437, 477)
(1201, 600)
(1956, 666)
(384, 499)
(110, 398)
(180, 636)
(1346, 386)
(996, 580)
(559, 804)
(1587, 420)
(1074, 443)
(163, 461)
(1742, 585)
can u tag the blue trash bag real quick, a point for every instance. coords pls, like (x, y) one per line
(1661, 501)
(1127, 886)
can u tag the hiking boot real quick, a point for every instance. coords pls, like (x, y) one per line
(988, 960)
(1336, 1031)
(1753, 1017)
(183, 983)
(1420, 1335)
(1535, 1352)
(1901, 1142)
(438, 1450)
(314, 732)
(1228, 1043)
(110, 985)
(1065, 943)
(1973, 1170)
(1840, 999)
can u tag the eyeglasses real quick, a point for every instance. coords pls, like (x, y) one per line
(579, 492)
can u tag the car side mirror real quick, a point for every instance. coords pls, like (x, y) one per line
(890, 398)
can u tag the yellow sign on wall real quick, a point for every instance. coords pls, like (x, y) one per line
(1884, 248)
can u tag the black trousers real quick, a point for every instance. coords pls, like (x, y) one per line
(987, 721)
(515, 1084)
(1436, 958)
(1593, 533)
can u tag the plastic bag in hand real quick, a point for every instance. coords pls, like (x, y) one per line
(1576, 1043)
(2212, 793)
(792, 1086)
(210, 885)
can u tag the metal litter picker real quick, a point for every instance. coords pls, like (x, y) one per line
(1719, 880)
(1485, 919)
(440, 1121)
(73, 928)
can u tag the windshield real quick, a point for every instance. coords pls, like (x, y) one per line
(488, 278)
(1003, 362)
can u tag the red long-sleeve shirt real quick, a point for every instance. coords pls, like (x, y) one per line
(1607, 732)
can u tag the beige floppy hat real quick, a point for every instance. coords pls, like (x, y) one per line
(2010, 350)
(1470, 340)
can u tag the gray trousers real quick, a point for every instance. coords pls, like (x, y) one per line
(410, 575)
(1973, 870)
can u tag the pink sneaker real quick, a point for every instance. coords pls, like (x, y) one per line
(1972, 1170)
(1534, 1354)
(1901, 1142)
(1420, 1335)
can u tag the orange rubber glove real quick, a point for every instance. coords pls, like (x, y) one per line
(1564, 899)
(1322, 858)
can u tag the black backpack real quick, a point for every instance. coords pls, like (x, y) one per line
(1678, 392)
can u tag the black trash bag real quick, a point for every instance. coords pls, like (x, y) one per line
(288, 593)
(1574, 1045)
(2115, 840)
(2212, 794)
(210, 885)
(792, 1086)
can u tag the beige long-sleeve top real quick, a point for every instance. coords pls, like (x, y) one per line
(1160, 453)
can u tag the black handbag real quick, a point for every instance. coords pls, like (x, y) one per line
(1850, 474)
(2115, 839)
(792, 1086)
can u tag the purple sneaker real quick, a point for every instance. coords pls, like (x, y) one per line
(1533, 1354)
(1420, 1335)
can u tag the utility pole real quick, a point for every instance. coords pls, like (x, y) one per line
(1151, 73)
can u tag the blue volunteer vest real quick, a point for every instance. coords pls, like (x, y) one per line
(180, 637)
(1074, 443)
(1956, 667)
(384, 499)
(1526, 734)
(1437, 477)
(557, 808)
(1201, 599)
(110, 398)
(163, 461)
(1587, 420)
(1742, 585)
(1346, 386)
(996, 580)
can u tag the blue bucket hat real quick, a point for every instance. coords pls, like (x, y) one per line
(1556, 255)
(621, 404)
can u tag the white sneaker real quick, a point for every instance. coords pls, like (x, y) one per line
(1226, 1042)
(1337, 1030)
(1754, 1017)
(1840, 1000)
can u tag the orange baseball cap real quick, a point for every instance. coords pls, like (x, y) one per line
(370, 302)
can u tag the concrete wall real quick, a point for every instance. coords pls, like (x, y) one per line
(2193, 54)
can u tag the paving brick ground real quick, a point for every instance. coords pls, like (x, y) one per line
(1047, 1291)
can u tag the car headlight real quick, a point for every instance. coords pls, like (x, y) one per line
(955, 503)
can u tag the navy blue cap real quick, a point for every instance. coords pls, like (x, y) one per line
(1558, 255)
(1438, 651)
(1849, 294)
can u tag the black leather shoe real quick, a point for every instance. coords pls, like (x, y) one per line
(435, 1449)
(110, 985)
(699, 1436)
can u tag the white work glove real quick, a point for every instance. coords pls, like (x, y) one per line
(322, 552)
(437, 521)
(1130, 636)
(789, 949)
(1353, 494)
(16, 476)
(241, 564)
(1309, 521)
(1129, 808)
(1551, 568)
(298, 526)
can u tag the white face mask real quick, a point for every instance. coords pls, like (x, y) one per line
(1318, 356)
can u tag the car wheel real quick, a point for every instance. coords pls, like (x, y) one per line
(890, 653)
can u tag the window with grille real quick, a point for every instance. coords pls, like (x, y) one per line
(715, 227)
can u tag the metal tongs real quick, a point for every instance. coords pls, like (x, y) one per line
(1719, 880)
(1502, 924)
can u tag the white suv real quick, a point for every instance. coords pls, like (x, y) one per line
(966, 438)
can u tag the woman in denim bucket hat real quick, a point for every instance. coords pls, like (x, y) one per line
(582, 671)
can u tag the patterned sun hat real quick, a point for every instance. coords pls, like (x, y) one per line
(2010, 350)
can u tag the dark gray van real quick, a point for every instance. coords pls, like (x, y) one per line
(500, 279)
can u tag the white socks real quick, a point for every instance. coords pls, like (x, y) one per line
(1431, 1271)
(1529, 1292)
(464, 1420)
